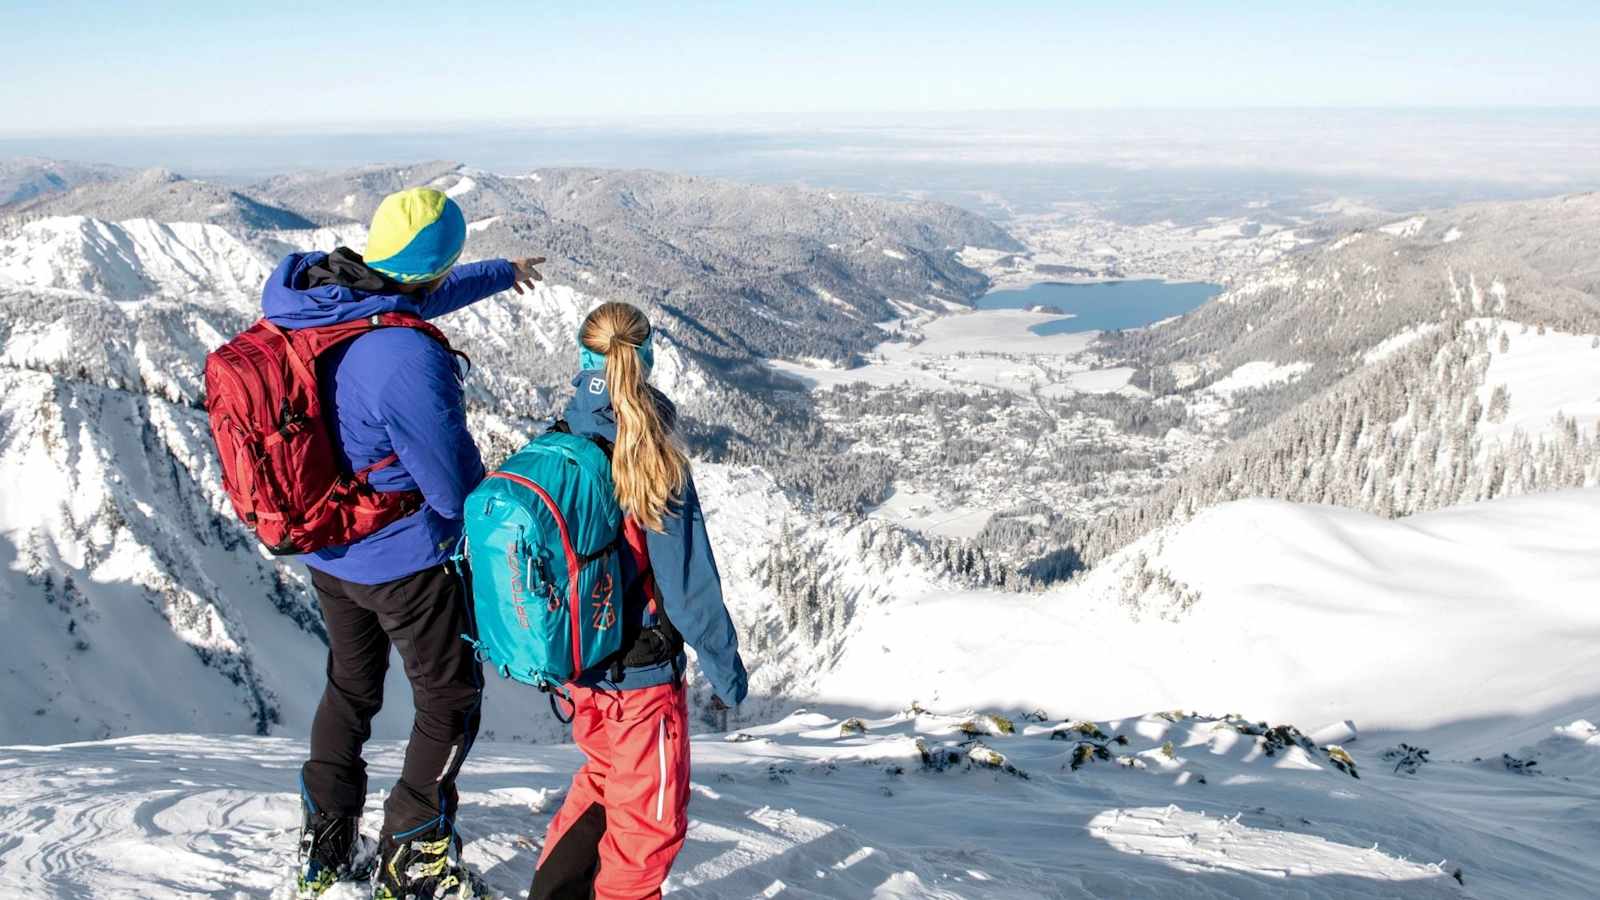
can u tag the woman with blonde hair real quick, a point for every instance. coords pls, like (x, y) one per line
(623, 821)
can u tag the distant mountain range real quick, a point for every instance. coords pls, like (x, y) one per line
(27, 179)
(164, 196)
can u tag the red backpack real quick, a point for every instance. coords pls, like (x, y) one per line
(279, 465)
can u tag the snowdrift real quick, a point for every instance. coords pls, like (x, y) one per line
(1293, 612)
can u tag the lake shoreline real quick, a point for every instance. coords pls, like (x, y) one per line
(1115, 305)
(1080, 281)
(1023, 280)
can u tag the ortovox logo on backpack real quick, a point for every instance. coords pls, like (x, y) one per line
(543, 538)
(279, 465)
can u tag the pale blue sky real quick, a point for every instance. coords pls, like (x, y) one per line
(202, 66)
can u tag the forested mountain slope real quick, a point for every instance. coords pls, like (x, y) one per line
(1400, 356)
(744, 269)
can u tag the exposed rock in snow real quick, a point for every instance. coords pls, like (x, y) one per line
(1168, 805)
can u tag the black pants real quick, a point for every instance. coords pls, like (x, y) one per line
(422, 615)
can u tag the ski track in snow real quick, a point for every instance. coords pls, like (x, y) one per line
(1188, 807)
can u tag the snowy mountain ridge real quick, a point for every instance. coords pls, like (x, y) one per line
(122, 570)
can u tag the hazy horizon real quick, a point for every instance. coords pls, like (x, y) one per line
(999, 162)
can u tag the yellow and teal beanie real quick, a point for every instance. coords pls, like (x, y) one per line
(416, 235)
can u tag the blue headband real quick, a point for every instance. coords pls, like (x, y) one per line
(588, 360)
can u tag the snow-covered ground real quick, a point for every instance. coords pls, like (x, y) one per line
(1399, 341)
(1405, 227)
(1470, 633)
(927, 513)
(1294, 612)
(1219, 401)
(1257, 374)
(904, 805)
(1543, 375)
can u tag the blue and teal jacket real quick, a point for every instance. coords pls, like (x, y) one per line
(687, 581)
(394, 390)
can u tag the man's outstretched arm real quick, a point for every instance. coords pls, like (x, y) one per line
(468, 283)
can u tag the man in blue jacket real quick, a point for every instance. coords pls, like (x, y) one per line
(394, 391)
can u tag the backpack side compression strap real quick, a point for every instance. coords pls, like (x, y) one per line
(641, 647)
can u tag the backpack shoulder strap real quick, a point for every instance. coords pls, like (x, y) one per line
(407, 320)
(307, 344)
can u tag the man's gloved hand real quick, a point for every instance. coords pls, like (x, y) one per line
(527, 275)
(717, 704)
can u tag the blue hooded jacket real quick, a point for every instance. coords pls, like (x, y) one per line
(394, 390)
(687, 581)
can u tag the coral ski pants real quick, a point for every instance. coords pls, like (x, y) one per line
(623, 821)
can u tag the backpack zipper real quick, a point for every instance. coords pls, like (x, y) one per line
(573, 611)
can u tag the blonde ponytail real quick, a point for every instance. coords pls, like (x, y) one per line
(647, 465)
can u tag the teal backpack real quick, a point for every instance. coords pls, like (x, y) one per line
(542, 538)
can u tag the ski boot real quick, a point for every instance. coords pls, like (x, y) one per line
(331, 850)
(425, 865)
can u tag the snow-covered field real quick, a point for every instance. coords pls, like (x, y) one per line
(990, 348)
(1257, 374)
(1303, 613)
(925, 512)
(1543, 375)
